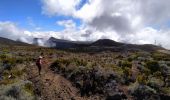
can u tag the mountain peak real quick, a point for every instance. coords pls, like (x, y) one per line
(106, 42)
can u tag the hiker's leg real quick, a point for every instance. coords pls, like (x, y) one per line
(39, 69)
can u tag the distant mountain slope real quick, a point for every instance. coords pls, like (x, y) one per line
(64, 44)
(99, 45)
(106, 42)
(145, 47)
(5, 41)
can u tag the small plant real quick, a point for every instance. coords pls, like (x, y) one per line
(29, 88)
(153, 66)
(14, 92)
(126, 64)
(141, 79)
(17, 73)
(19, 60)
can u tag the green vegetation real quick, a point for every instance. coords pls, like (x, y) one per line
(139, 73)
(153, 66)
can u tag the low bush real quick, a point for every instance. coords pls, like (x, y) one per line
(14, 92)
(144, 92)
(155, 83)
(153, 66)
(29, 88)
(141, 79)
(126, 64)
(20, 90)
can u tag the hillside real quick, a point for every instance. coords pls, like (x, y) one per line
(106, 43)
(99, 45)
(5, 41)
(120, 75)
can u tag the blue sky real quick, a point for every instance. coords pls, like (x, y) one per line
(24, 12)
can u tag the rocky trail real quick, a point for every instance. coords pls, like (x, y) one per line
(51, 86)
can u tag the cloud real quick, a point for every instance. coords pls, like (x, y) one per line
(13, 31)
(10, 30)
(145, 36)
(120, 15)
(149, 35)
(99, 15)
(131, 21)
(68, 24)
(154, 12)
(59, 7)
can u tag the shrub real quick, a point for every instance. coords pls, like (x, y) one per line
(153, 66)
(3, 56)
(146, 71)
(127, 75)
(127, 72)
(126, 64)
(14, 92)
(165, 90)
(29, 88)
(19, 60)
(143, 92)
(168, 64)
(79, 62)
(141, 79)
(20, 90)
(17, 72)
(130, 59)
(60, 65)
(155, 83)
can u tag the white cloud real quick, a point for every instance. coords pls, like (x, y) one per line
(10, 30)
(68, 24)
(90, 10)
(123, 20)
(59, 7)
(147, 35)
(125, 15)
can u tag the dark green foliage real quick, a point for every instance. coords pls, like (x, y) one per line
(19, 60)
(141, 79)
(3, 56)
(29, 88)
(153, 66)
(126, 64)
(168, 64)
(14, 92)
(143, 92)
(130, 59)
(79, 62)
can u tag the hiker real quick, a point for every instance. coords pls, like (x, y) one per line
(39, 64)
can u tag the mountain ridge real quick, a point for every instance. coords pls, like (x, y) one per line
(6, 41)
(101, 45)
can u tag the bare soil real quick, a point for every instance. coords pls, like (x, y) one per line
(52, 86)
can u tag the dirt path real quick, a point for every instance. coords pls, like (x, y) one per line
(50, 86)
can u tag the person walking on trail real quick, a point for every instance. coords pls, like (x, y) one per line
(39, 64)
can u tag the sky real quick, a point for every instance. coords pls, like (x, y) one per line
(129, 21)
